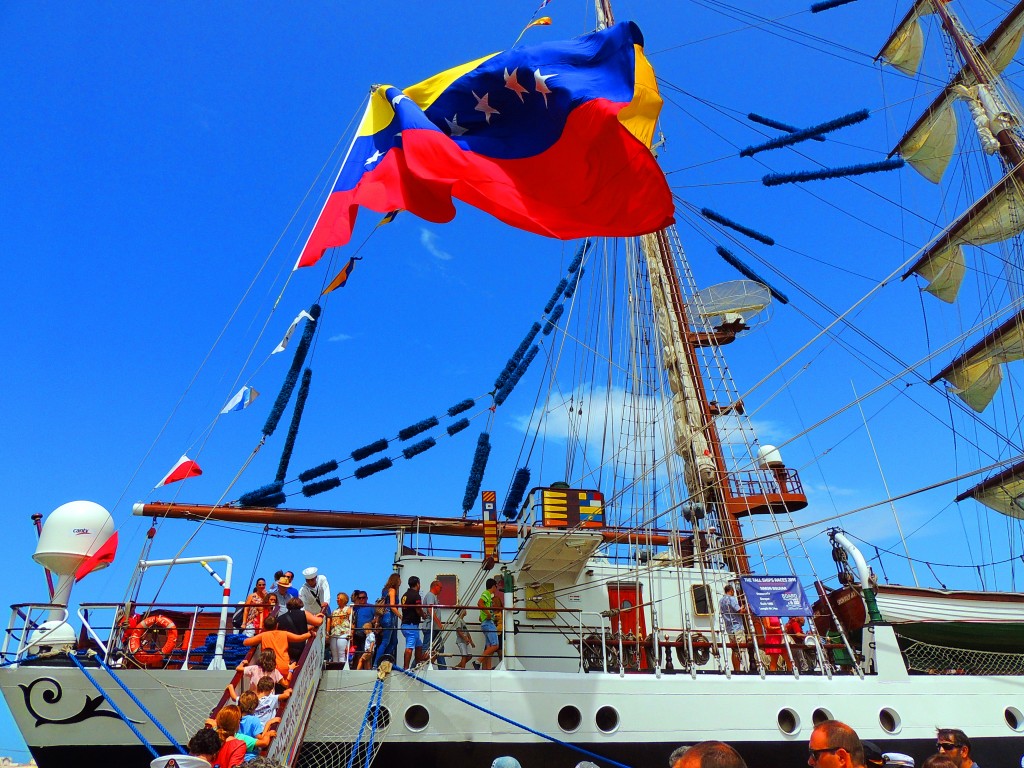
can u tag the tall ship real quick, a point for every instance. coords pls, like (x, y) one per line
(568, 425)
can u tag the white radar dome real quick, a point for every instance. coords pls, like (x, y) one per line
(768, 456)
(71, 534)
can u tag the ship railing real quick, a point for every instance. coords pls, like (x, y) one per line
(192, 623)
(33, 631)
(761, 483)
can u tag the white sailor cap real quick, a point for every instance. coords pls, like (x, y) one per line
(310, 573)
(179, 761)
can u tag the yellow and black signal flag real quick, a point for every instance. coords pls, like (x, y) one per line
(341, 278)
(388, 218)
(543, 21)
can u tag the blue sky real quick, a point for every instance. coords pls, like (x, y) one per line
(154, 155)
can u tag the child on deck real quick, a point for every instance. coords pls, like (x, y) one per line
(463, 639)
(234, 747)
(276, 640)
(250, 725)
(264, 663)
(266, 709)
(366, 660)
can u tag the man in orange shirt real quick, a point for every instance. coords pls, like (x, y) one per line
(276, 640)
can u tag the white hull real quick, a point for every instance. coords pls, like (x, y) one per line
(654, 712)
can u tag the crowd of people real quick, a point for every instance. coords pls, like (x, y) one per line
(832, 745)
(279, 622)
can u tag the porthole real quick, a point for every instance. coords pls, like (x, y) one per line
(416, 717)
(607, 719)
(820, 715)
(889, 719)
(569, 718)
(383, 717)
(789, 721)
(1014, 718)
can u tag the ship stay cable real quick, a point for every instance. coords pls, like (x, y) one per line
(894, 377)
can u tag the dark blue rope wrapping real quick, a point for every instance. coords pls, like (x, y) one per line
(555, 296)
(274, 500)
(504, 719)
(114, 706)
(515, 494)
(320, 469)
(553, 318)
(578, 259)
(775, 179)
(415, 429)
(517, 356)
(140, 705)
(819, 7)
(368, 450)
(752, 233)
(370, 707)
(417, 448)
(321, 486)
(506, 390)
(293, 428)
(476, 472)
(461, 407)
(371, 469)
(573, 284)
(458, 426)
(807, 133)
(753, 116)
(749, 273)
(293, 373)
(253, 498)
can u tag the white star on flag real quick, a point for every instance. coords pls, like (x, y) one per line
(483, 105)
(398, 99)
(513, 84)
(291, 329)
(377, 155)
(541, 82)
(454, 129)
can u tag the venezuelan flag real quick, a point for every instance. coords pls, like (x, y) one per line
(552, 138)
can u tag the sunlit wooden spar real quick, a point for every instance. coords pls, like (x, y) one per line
(312, 518)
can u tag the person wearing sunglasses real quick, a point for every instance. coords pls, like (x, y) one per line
(835, 745)
(953, 742)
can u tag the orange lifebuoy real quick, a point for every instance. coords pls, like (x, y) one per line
(134, 640)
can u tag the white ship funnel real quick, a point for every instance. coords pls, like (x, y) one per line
(70, 536)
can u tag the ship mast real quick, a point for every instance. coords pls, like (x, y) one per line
(695, 435)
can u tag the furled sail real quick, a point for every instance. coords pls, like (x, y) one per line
(976, 375)
(905, 45)
(996, 217)
(929, 144)
(1003, 492)
(689, 437)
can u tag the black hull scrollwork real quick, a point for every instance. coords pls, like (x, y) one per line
(52, 694)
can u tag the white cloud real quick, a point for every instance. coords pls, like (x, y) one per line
(340, 337)
(429, 241)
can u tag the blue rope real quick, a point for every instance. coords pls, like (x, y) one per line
(140, 705)
(379, 690)
(369, 708)
(526, 728)
(110, 701)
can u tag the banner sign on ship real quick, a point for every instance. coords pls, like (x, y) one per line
(775, 596)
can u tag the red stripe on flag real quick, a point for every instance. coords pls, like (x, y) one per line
(101, 558)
